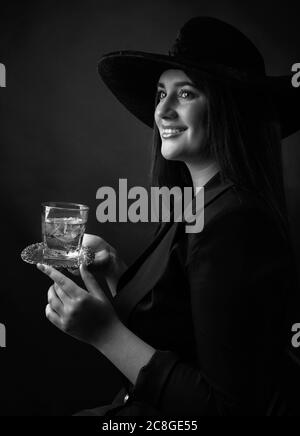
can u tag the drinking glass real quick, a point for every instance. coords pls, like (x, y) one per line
(63, 227)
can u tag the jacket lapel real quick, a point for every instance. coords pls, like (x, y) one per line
(149, 267)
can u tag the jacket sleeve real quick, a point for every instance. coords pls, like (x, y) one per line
(236, 270)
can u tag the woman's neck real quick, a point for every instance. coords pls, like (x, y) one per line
(202, 173)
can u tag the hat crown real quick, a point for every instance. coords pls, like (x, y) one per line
(207, 46)
(216, 42)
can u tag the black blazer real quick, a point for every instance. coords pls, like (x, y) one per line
(213, 306)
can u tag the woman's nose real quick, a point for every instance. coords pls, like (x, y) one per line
(166, 109)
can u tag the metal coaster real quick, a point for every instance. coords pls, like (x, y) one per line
(34, 254)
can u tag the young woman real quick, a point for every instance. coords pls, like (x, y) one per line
(197, 324)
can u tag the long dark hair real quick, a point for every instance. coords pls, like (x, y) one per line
(243, 137)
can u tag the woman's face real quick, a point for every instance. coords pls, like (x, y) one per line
(180, 117)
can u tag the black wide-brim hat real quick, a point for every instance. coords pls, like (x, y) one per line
(205, 45)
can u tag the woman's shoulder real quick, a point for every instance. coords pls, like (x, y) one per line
(239, 203)
(238, 219)
(243, 216)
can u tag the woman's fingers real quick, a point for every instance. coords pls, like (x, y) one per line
(64, 283)
(53, 316)
(84, 316)
(94, 242)
(54, 301)
(65, 299)
(100, 247)
(90, 282)
(102, 256)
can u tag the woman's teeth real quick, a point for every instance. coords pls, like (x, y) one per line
(167, 133)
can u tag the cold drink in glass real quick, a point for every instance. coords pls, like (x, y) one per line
(63, 227)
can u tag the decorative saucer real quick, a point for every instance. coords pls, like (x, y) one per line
(34, 254)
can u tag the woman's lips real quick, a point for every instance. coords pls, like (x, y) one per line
(171, 132)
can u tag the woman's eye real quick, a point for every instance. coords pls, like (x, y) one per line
(186, 94)
(160, 94)
(183, 94)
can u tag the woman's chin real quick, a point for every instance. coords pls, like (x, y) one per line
(169, 153)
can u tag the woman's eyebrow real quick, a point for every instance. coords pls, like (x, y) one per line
(183, 83)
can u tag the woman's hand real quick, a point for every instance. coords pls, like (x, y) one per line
(107, 261)
(86, 315)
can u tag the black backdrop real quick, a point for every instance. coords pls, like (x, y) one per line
(62, 136)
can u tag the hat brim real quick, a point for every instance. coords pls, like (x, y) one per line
(132, 77)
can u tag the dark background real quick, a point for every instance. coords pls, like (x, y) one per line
(62, 136)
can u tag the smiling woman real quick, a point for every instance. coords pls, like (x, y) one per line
(180, 116)
(197, 324)
(227, 128)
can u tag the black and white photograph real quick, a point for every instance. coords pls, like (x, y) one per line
(150, 210)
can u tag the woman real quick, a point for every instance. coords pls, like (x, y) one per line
(197, 324)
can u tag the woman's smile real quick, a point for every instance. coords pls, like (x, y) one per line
(168, 132)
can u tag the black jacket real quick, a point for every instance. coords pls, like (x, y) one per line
(213, 305)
